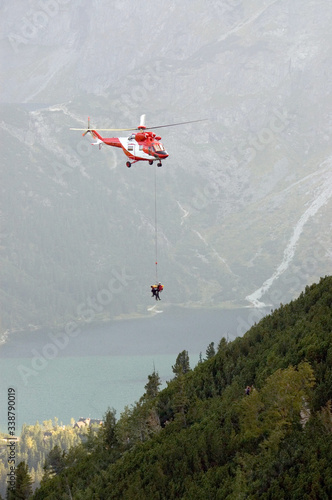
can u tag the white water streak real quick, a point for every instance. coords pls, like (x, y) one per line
(186, 212)
(214, 251)
(289, 251)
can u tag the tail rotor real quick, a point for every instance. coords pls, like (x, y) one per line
(89, 129)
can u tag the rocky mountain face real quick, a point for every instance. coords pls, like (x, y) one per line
(244, 199)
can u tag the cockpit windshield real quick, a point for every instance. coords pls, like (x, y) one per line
(158, 147)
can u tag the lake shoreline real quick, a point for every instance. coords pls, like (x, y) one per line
(102, 321)
(108, 363)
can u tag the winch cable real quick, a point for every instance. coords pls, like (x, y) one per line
(156, 221)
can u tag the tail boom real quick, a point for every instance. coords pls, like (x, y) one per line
(109, 141)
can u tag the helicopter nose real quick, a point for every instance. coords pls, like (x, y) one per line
(162, 154)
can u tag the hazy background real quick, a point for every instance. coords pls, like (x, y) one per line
(244, 199)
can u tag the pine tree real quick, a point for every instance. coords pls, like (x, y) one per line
(152, 386)
(23, 486)
(181, 364)
(55, 462)
(108, 429)
(210, 351)
(181, 400)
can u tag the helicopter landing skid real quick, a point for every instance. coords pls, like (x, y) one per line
(129, 164)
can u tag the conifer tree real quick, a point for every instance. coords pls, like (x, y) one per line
(152, 386)
(181, 400)
(222, 346)
(108, 429)
(23, 486)
(210, 351)
(123, 429)
(55, 461)
(181, 364)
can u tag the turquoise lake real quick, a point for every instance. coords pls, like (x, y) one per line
(55, 375)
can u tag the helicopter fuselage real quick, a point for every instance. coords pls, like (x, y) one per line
(143, 145)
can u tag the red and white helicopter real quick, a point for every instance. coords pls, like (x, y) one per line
(140, 146)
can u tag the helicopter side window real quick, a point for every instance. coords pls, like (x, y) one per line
(131, 137)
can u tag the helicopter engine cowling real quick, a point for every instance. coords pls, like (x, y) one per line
(140, 136)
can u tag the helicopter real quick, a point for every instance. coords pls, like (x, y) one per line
(143, 145)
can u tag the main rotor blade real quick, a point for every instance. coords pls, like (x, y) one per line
(175, 124)
(107, 129)
(115, 129)
(139, 128)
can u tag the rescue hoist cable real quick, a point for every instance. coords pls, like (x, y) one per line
(155, 221)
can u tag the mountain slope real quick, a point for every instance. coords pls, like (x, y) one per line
(203, 437)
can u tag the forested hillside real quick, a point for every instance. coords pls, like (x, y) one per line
(204, 437)
(34, 445)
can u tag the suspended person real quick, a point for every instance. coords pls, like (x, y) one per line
(159, 289)
(156, 289)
